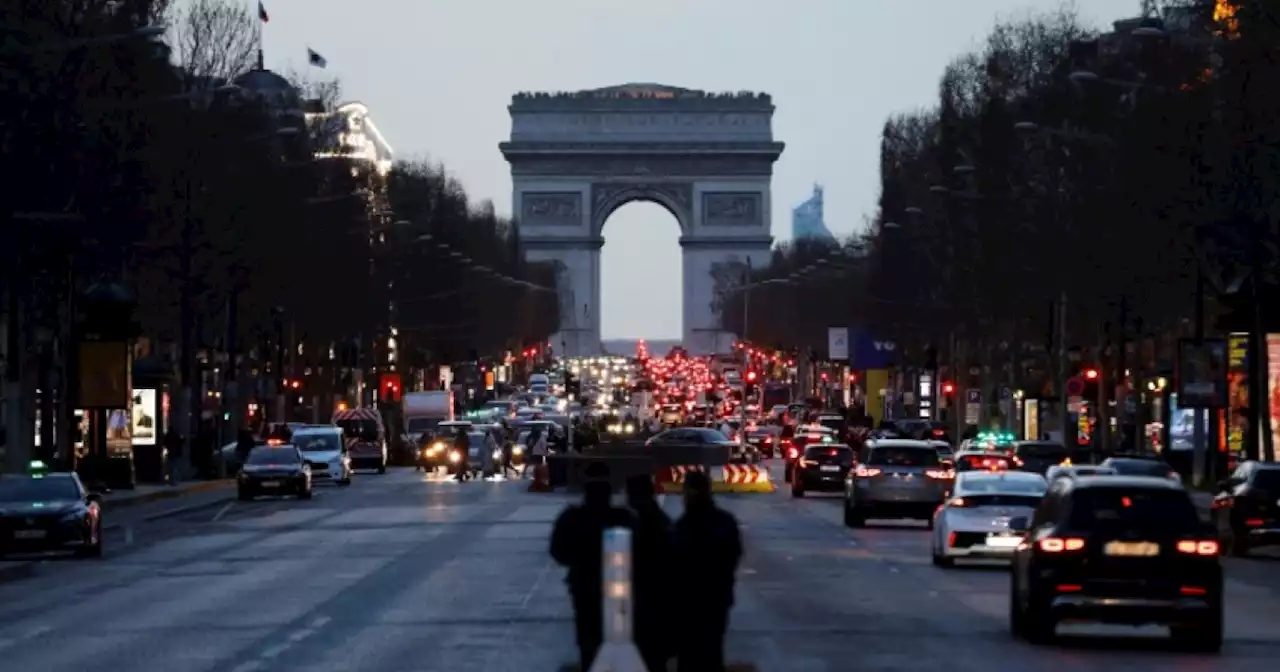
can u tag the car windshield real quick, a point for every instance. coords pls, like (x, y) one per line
(1139, 467)
(38, 490)
(1268, 480)
(829, 453)
(318, 443)
(990, 484)
(273, 455)
(712, 434)
(1133, 509)
(904, 456)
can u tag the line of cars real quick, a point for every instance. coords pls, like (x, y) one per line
(1118, 543)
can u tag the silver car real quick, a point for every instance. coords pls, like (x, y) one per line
(896, 478)
(974, 523)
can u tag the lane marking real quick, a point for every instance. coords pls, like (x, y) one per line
(248, 667)
(30, 634)
(546, 569)
(128, 536)
(223, 512)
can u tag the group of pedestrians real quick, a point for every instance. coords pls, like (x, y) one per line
(682, 572)
(505, 463)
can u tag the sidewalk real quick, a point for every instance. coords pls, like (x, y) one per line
(146, 503)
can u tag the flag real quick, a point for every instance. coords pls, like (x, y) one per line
(262, 12)
(316, 59)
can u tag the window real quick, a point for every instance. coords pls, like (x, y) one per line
(38, 490)
(271, 455)
(904, 456)
(829, 454)
(356, 427)
(1267, 480)
(318, 443)
(1136, 509)
(1043, 451)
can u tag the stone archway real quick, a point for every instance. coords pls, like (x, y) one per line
(707, 158)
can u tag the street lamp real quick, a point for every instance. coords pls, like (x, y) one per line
(890, 225)
(1026, 127)
(1083, 76)
(963, 169)
(939, 189)
(913, 210)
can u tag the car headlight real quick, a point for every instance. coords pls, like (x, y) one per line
(497, 454)
(518, 450)
(435, 448)
(455, 457)
(629, 428)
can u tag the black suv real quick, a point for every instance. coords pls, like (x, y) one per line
(1247, 510)
(1117, 549)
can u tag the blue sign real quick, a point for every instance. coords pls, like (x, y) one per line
(973, 396)
(868, 351)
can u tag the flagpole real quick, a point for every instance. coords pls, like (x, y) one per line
(261, 16)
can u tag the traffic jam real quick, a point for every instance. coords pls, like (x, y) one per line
(1109, 539)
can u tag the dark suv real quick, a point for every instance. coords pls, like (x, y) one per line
(1247, 510)
(1117, 549)
(823, 468)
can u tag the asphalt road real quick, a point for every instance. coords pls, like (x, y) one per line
(408, 574)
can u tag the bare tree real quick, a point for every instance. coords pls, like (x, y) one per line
(214, 38)
(326, 90)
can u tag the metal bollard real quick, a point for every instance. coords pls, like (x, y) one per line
(619, 652)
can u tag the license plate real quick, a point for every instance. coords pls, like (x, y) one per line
(831, 467)
(29, 534)
(1132, 549)
(1003, 542)
(270, 484)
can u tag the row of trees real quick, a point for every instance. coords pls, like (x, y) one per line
(1065, 180)
(230, 202)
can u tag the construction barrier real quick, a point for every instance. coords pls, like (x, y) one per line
(726, 479)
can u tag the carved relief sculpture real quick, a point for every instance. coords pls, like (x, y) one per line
(726, 277)
(551, 209)
(731, 209)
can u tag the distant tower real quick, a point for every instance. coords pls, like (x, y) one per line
(806, 219)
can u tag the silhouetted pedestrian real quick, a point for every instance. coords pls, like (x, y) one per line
(706, 547)
(651, 573)
(576, 543)
(172, 454)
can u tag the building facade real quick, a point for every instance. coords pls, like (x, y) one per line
(807, 221)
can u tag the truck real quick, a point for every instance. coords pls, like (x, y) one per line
(422, 411)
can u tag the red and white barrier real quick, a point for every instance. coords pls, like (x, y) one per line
(678, 473)
(745, 473)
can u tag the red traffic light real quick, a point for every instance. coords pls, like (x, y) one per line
(948, 388)
(1091, 374)
(751, 376)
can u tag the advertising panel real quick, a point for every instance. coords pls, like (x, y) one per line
(143, 432)
(1237, 425)
(838, 344)
(1273, 387)
(1031, 420)
(1202, 373)
(1182, 425)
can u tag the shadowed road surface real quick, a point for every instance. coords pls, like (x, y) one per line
(408, 574)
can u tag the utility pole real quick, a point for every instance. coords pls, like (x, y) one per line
(746, 360)
(1198, 441)
(1061, 367)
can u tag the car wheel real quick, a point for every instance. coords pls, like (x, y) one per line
(1038, 625)
(345, 481)
(244, 495)
(1017, 621)
(797, 492)
(1238, 545)
(94, 549)
(382, 468)
(305, 493)
(1203, 637)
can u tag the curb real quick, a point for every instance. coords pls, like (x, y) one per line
(170, 493)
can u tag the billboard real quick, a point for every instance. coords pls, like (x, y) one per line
(838, 344)
(1237, 417)
(1202, 373)
(1272, 404)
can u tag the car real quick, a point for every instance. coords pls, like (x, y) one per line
(804, 436)
(974, 522)
(765, 440)
(822, 468)
(1246, 511)
(896, 478)
(1142, 466)
(274, 470)
(1119, 549)
(325, 453)
(981, 460)
(43, 512)
(945, 452)
(1040, 456)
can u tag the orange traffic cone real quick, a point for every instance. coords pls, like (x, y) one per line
(541, 479)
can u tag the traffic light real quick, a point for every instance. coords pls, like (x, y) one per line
(391, 387)
(751, 376)
(1092, 378)
(948, 388)
(750, 387)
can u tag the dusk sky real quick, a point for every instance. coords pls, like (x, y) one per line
(437, 76)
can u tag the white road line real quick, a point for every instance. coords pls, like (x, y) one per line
(30, 634)
(276, 650)
(248, 667)
(524, 604)
(223, 512)
(320, 622)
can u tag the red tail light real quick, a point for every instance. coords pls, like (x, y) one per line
(1255, 522)
(866, 472)
(1060, 545)
(940, 474)
(958, 503)
(1198, 547)
(793, 453)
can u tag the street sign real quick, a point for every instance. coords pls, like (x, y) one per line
(973, 396)
(1005, 394)
(838, 343)
(1075, 386)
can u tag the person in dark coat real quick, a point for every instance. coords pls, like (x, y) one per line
(244, 445)
(706, 546)
(650, 571)
(173, 454)
(577, 544)
(462, 444)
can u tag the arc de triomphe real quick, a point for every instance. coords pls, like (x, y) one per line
(705, 157)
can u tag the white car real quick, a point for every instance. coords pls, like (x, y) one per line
(974, 522)
(323, 449)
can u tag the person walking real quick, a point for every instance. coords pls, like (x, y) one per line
(577, 545)
(172, 455)
(537, 449)
(462, 444)
(706, 546)
(651, 570)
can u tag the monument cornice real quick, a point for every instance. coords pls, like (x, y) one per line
(544, 149)
(563, 243)
(727, 242)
